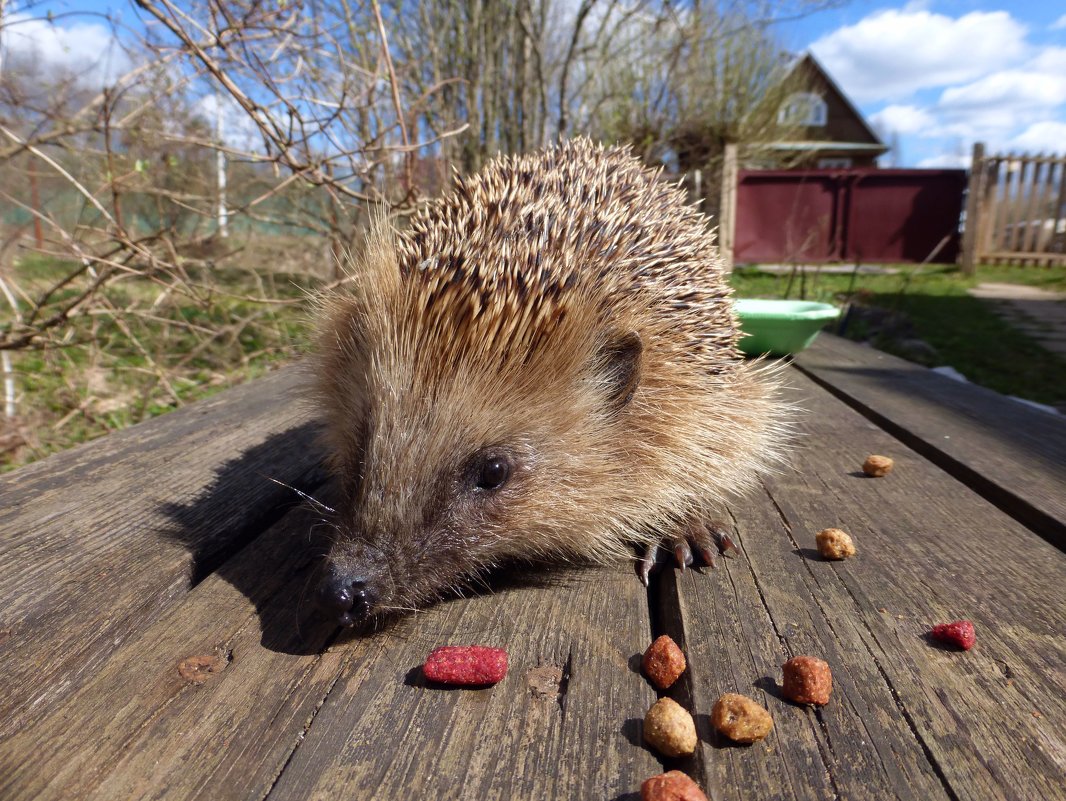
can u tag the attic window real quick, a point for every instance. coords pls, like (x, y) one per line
(802, 108)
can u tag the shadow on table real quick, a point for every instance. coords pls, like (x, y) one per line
(252, 528)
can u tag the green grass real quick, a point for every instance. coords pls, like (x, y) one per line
(120, 369)
(931, 304)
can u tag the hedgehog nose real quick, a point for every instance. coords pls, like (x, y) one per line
(345, 599)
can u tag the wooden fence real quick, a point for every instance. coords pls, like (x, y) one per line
(1015, 210)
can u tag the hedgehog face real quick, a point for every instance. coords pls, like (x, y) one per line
(456, 466)
(429, 507)
(444, 491)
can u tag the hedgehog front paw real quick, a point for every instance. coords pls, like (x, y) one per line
(706, 539)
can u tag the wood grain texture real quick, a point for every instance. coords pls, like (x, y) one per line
(353, 717)
(138, 728)
(908, 719)
(383, 734)
(1011, 454)
(100, 541)
(100, 614)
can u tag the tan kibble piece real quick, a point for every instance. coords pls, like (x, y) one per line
(669, 729)
(877, 466)
(807, 680)
(663, 662)
(740, 718)
(671, 786)
(834, 544)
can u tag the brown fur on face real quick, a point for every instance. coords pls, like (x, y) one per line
(567, 312)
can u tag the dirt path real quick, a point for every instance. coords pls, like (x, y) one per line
(1036, 312)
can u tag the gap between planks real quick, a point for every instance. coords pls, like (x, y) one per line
(1036, 520)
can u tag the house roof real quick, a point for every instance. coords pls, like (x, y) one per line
(874, 146)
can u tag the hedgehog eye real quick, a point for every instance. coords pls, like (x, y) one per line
(622, 355)
(493, 472)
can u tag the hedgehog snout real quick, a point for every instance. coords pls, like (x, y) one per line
(346, 599)
(352, 587)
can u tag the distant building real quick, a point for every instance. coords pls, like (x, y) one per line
(825, 130)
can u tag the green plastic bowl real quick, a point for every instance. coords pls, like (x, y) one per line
(780, 327)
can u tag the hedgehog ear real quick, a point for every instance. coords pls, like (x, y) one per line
(621, 360)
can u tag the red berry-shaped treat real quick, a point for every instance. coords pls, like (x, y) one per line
(959, 633)
(466, 665)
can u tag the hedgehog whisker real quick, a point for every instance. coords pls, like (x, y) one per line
(314, 501)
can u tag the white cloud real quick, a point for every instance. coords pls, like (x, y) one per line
(1007, 92)
(1050, 59)
(86, 49)
(1048, 136)
(947, 160)
(1059, 24)
(904, 120)
(893, 53)
(997, 106)
(990, 82)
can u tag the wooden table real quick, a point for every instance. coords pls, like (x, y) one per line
(122, 559)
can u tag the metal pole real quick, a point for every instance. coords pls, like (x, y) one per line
(221, 164)
(6, 366)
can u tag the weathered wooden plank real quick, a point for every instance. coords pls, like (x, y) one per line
(907, 719)
(1058, 209)
(1012, 257)
(1033, 219)
(100, 541)
(381, 733)
(733, 645)
(1011, 454)
(138, 728)
(1045, 229)
(992, 222)
(975, 209)
(283, 720)
(1017, 204)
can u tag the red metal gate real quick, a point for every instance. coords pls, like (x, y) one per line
(860, 215)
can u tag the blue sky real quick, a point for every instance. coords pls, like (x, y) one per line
(934, 75)
(942, 74)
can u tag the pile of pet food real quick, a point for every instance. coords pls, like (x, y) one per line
(668, 727)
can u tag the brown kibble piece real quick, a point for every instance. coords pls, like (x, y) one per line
(807, 680)
(669, 729)
(877, 466)
(740, 718)
(833, 543)
(663, 662)
(671, 786)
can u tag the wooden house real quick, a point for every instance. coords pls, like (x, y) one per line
(824, 129)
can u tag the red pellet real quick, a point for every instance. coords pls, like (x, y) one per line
(466, 665)
(959, 633)
(672, 786)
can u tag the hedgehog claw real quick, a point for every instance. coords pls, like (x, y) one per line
(720, 532)
(707, 556)
(682, 554)
(646, 563)
(709, 540)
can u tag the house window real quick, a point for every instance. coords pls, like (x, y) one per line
(802, 108)
(837, 163)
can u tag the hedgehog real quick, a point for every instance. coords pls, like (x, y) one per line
(542, 368)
